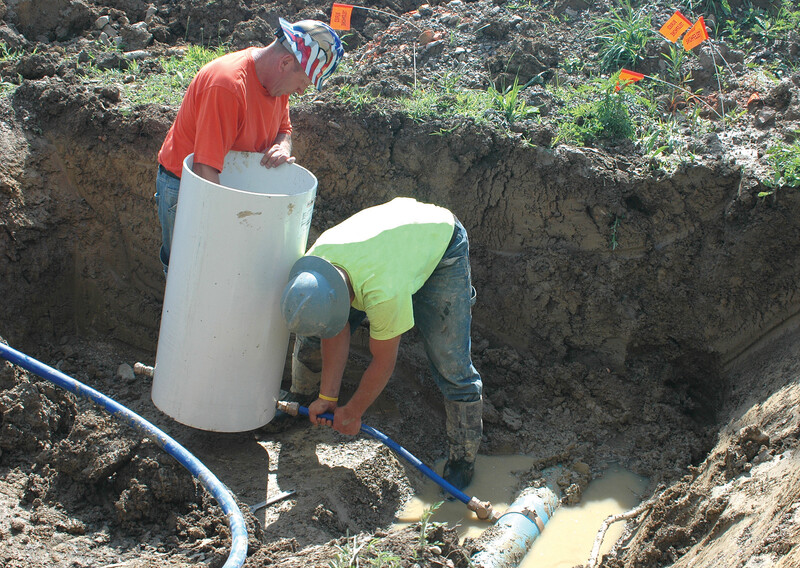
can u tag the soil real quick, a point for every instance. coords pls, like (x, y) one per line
(627, 313)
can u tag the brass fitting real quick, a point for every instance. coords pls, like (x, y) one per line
(483, 509)
(290, 408)
(142, 369)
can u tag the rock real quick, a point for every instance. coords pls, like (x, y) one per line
(136, 37)
(764, 118)
(512, 419)
(780, 96)
(125, 372)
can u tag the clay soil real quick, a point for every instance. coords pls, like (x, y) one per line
(628, 313)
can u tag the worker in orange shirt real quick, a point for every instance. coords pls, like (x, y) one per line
(240, 102)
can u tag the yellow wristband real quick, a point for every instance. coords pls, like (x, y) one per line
(328, 398)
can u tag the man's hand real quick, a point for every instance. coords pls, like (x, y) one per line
(275, 156)
(280, 152)
(347, 420)
(318, 407)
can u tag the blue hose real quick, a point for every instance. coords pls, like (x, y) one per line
(207, 479)
(381, 437)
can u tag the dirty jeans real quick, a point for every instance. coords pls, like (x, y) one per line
(443, 316)
(167, 187)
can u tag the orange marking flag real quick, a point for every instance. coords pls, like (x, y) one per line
(627, 77)
(340, 16)
(696, 35)
(675, 26)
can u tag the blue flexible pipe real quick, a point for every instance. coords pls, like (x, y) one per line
(386, 440)
(207, 479)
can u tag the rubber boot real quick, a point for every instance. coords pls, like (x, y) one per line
(304, 389)
(464, 430)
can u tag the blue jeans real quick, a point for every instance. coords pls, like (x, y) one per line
(443, 316)
(167, 187)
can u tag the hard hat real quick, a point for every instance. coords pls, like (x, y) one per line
(315, 45)
(316, 301)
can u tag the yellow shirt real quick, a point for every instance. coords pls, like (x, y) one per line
(388, 251)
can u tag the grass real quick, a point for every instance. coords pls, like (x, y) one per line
(596, 111)
(8, 54)
(784, 162)
(353, 555)
(166, 86)
(424, 522)
(508, 102)
(622, 36)
(355, 96)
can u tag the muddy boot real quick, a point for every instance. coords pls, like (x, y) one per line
(304, 389)
(464, 431)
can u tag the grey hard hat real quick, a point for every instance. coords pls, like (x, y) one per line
(316, 301)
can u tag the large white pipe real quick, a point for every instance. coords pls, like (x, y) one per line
(223, 343)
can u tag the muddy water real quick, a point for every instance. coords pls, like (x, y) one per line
(569, 535)
(495, 481)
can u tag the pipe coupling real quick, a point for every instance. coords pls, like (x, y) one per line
(142, 369)
(483, 509)
(290, 408)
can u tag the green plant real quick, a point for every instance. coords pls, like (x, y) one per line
(784, 162)
(354, 95)
(622, 36)
(346, 556)
(615, 223)
(7, 53)
(424, 521)
(164, 87)
(510, 104)
(596, 110)
(382, 558)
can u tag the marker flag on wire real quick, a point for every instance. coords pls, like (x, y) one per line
(696, 35)
(627, 77)
(675, 26)
(340, 16)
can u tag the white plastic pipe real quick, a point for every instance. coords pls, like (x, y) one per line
(223, 343)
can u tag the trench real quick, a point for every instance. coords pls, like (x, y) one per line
(614, 305)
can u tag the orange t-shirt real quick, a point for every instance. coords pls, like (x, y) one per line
(225, 108)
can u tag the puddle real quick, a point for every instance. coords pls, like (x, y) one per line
(495, 481)
(569, 535)
(568, 538)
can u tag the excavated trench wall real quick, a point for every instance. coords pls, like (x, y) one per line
(576, 256)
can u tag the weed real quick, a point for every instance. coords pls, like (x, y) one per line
(510, 104)
(784, 161)
(165, 87)
(382, 558)
(444, 99)
(346, 556)
(356, 96)
(596, 110)
(614, 226)
(7, 54)
(6, 89)
(423, 523)
(622, 36)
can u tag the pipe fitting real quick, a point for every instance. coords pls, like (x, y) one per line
(290, 408)
(483, 509)
(142, 369)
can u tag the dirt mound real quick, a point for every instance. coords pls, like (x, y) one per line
(635, 305)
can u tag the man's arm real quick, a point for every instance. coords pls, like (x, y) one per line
(334, 359)
(206, 172)
(347, 418)
(280, 152)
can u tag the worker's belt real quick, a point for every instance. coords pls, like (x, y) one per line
(164, 170)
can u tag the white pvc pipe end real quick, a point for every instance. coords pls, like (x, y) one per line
(222, 344)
